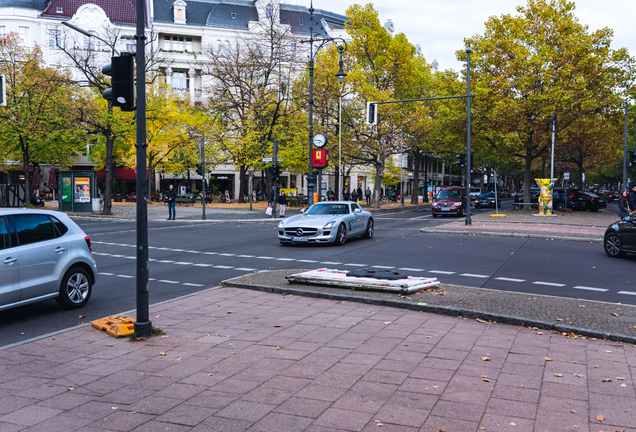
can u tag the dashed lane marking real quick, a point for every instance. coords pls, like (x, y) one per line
(167, 281)
(590, 288)
(183, 263)
(245, 256)
(330, 263)
(474, 275)
(192, 284)
(411, 269)
(627, 293)
(227, 254)
(165, 261)
(264, 257)
(285, 259)
(441, 272)
(106, 274)
(244, 269)
(356, 265)
(223, 267)
(505, 279)
(125, 276)
(307, 261)
(202, 265)
(383, 267)
(548, 284)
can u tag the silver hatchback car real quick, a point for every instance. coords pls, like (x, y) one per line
(44, 255)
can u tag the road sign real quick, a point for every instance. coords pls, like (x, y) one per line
(272, 159)
(566, 176)
(567, 169)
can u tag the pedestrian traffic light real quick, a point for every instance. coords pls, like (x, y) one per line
(632, 158)
(3, 91)
(276, 173)
(122, 90)
(199, 169)
(372, 113)
(461, 159)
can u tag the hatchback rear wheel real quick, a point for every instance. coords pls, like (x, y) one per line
(75, 290)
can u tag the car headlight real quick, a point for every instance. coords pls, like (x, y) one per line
(328, 225)
(280, 225)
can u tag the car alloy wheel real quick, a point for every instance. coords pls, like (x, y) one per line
(75, 290)
(369, 232)
(341, 235)
(613, 246)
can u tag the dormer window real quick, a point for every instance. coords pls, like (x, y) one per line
(179, 7)
(269, 11)
(301, 22)
(59, 9)
(233, 15)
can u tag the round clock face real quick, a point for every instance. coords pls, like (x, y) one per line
(320, 140)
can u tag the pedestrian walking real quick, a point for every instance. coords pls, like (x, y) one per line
(282, 202)
(623, 205)
(354, 195)
(330, 195)
(367, 195)
(345, 194)
(631, 199)
(171, 195)
(359, 192)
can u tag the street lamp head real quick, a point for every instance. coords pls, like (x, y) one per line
(341, 75)
(77, 29)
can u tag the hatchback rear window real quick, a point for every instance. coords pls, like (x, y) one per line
(33, 228)
(59, 226)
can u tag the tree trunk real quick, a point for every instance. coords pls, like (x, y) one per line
(415, 193)
(242, 183)
(527, 179)
(379, 175)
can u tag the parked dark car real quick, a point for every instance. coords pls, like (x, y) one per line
(534, 198)
(620, 237)
(487, 199)
(578, 200)
(614, 197)
(450, 200)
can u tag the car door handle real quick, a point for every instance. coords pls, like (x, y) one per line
(60, 249)
(10, 260)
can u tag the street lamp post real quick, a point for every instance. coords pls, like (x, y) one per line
(625, 150)
(341, 76)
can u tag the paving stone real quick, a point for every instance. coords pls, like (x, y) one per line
(343, 419)
(186, 414)
(276, 422)
(122, 421)
(155, 426)
(303, 407)
(498, 423)
(243, 410)
(30, 415)
(448, 424)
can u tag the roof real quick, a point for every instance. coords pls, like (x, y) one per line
(219, 13)
(38, 5)
(117, 11)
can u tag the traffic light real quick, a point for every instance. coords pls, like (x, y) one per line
(632, 158)
(461, 159)
(199, 169)
(122, 71)
(372, 113)
(3, 91)
(276, 173)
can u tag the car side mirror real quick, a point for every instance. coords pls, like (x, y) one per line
(357, 210)
(303, 210)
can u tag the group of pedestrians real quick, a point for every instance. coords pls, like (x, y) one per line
(356, 194)
(627, 203)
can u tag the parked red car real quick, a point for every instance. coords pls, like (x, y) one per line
(450, 200)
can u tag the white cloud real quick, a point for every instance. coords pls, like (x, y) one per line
(440, 26)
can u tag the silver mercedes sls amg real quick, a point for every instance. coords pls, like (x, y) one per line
(327, 222)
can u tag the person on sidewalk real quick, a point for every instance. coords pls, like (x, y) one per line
(330, 195)
(282, 202)
(345, 193)
(171, 196)
(623, 205)
(367, 195)
(359, 193)
(631, 199)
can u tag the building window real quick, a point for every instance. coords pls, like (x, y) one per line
(177, 43)
(301, 22)
(179, 14)
(55, 39)
(59, 9)
(25, 35)
(166, 43)
(179, 81)
(3, 31)
(131, 47)
(269, 11)
(92, 44)
(233, 15)
(188, 44)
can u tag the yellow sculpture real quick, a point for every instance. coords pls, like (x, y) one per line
(545, 199)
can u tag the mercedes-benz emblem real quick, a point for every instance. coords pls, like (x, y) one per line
(299, 231)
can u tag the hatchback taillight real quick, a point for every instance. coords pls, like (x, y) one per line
(88, 243)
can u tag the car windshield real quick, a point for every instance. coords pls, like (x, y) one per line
(487, 195)
(328, 209)
(449, 194)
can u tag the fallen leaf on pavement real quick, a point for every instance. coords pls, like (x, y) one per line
(623, 385)
(572, 411)
(600, 418)
(387, 322)
(277, 325)
(70, 388)
(229, 312)
(485, 379)
(547, 358)
(113, 407)
(435, 386)
(482, 428)
(559, 319)
(481, 320)
(620, 378)
(513, 424)
(485, 359)
(539, 333)
(575, 428)
(606, 380)
(558, 375)
(595, 366)
(162, 354)
(82, 316)
(484, 376)
(80, 323)
(614, 314)
(209, 374)
(579, 375)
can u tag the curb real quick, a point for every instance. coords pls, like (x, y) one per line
(511, 234)
(441, 310)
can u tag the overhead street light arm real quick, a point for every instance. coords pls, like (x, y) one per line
(88, 34)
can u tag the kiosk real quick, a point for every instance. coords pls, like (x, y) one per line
(77, 189)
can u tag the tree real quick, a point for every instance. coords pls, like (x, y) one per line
(537, 63)
(39, 123)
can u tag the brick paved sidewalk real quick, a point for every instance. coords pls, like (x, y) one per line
(236, 360)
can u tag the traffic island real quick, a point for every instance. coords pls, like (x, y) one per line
(568, 316)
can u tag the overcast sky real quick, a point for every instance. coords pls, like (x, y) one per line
(440, 26)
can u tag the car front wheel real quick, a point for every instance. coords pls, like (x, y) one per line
(75, 290)
(369, 231)
(613, 246)
(341, 235)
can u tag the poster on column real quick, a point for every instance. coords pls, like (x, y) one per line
(67, 190)
(82, 192)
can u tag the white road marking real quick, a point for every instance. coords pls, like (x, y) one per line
(355, 265)
(383, 267)
(223, 267)
(307, 261)
(285, 259)
(264, 257)
(244, 269)
(167, 281)
(183, 263)
(177, 250)
(510, 279)
(474, 275)
(192, 284)
(441, 272)
(165, 261)
(202, 265)
(227, 254)
(548, 284)
(591, 288)
(210, 253)
(411, 269)
(126, 276)
(627, 292)
(152, 279)
(106, 274)
(152, 259)
(330, 263)
(245, 256)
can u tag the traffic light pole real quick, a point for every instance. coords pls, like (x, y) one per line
(143, 326)
(275, 176)
(469, 161)
(203, 173)
(625, 151)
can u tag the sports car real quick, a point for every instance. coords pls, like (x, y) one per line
(326, 222)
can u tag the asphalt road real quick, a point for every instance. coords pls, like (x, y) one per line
(187, 257)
